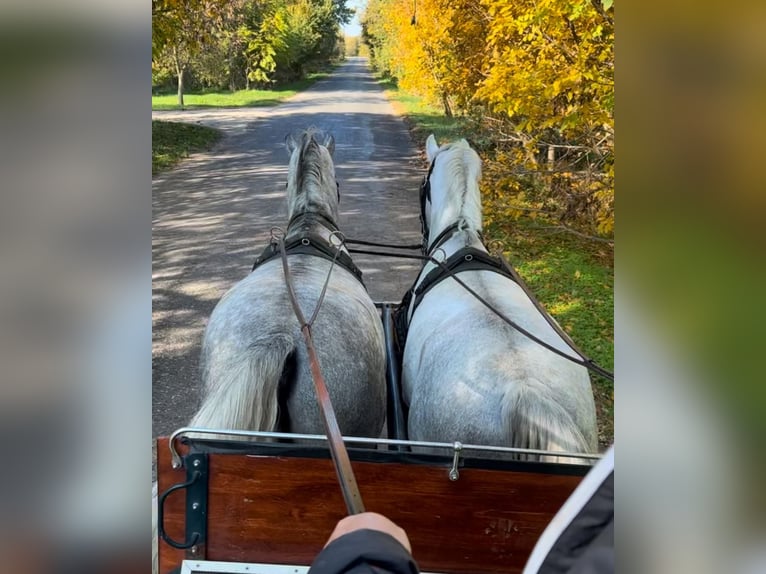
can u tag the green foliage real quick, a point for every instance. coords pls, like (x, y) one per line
(244, 43)
(173, 141)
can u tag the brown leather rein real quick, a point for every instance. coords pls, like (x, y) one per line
(338, 451)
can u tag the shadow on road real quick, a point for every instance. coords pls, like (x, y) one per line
(212, 216)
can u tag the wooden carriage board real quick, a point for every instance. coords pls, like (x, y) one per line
(279, 509)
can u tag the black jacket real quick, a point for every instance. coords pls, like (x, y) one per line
(580, 539)
(363, 552)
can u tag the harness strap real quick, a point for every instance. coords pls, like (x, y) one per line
(311, 244)
(443, 237)
(338, 452)
(466, 259)
(308, 217)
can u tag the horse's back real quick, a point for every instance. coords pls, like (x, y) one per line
(463, 366)
(256, 315)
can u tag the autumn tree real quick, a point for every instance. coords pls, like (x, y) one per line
(550, 84)
(536, 79)
(430, 46)
(186, 28)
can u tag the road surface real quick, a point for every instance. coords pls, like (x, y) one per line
(212, 214)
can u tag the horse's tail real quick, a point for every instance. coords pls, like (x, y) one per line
(533, 420)
(242, 388)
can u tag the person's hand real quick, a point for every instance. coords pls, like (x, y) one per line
(370, 521)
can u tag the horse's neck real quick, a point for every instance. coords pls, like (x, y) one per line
(311, 224)
(458, 241)
(455, 207)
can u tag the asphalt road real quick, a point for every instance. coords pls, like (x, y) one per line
(212, 214)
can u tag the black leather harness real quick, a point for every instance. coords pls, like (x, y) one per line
(308, 243)
(465, 259)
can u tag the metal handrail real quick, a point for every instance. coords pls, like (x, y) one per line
(453, 447)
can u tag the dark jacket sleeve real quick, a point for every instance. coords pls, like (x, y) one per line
(363, 552)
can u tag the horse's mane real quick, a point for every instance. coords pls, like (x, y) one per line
(463, 172)
(312, 184)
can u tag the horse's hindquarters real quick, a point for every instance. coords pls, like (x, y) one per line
(255, 363)
(468, 376)
(348, 337)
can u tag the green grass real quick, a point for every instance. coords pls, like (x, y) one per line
(172, 141)
(238, 99)
(422, 117)
(572, 277)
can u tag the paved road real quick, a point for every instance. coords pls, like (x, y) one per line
(211, 215)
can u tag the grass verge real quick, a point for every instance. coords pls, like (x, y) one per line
(573, 277)
(422, 118)
(172, 141)
(238, 99)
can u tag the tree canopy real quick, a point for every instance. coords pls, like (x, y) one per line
(240, 43)
(536, 79)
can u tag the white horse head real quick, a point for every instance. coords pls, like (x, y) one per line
(452, 190)
(311, 183)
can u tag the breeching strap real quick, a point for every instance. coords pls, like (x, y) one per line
(338, 451)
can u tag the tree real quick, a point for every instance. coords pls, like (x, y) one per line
(536, 78)
(239, 42)
(185, 28)
(550, 77)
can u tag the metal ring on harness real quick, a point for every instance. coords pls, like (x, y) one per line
(339, 236)
(305, 241)
(468, 257)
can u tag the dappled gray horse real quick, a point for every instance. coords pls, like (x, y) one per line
(254, 361)
(466, 374)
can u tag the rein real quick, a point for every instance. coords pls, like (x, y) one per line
(338, 451)
(581, 359)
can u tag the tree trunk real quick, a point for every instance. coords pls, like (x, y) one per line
(180, 69)
(181, 86)
(447, 107)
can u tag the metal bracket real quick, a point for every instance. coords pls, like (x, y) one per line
(454, 473)
(196, 485)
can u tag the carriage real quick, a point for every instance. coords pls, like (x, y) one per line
(235, 501)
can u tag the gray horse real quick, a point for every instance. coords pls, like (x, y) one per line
(468, 376)
(254, 361)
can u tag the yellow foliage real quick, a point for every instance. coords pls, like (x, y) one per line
(537, 75)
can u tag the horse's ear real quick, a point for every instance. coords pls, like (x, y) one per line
(290, 144)
(329, 143)
(431, 148)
